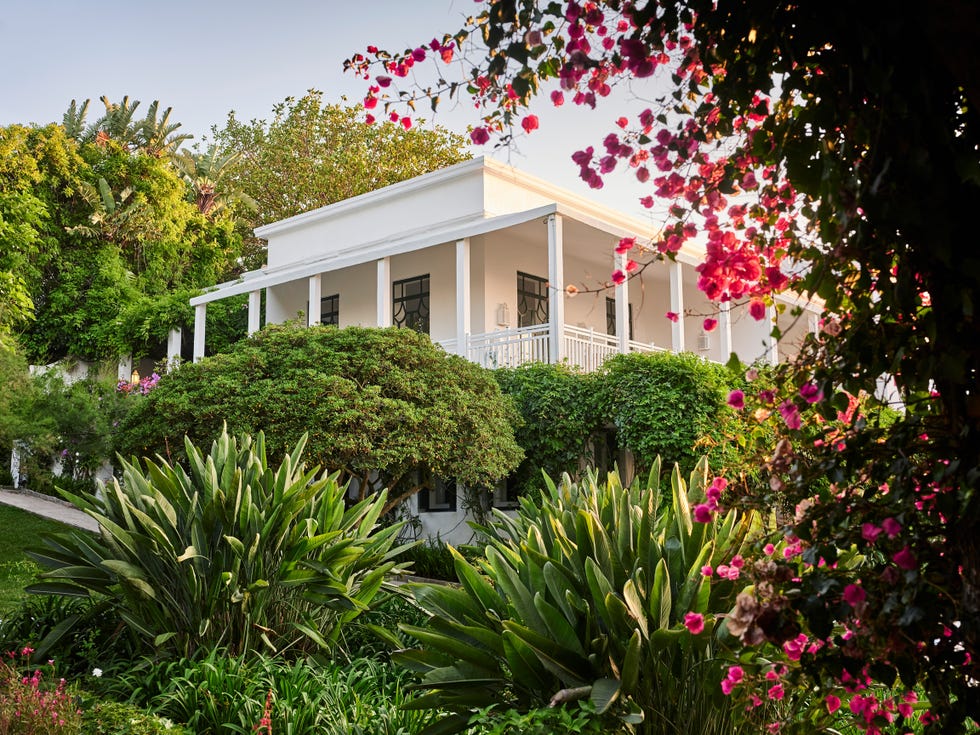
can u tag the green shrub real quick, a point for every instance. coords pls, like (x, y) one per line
(232, 553)
(589, 593)
(118, 718)
(558, 419)
(372, 401)
(580, 719)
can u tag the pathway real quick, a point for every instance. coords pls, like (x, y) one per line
(52, 508)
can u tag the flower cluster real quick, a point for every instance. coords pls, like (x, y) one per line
(138, 386)
(28, 705)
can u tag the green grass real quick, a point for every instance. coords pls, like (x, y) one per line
(20, 531)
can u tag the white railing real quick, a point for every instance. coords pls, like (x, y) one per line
(510, 347)
(584, 348)
(587, 348)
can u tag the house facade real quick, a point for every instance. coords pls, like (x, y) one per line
(481, 257)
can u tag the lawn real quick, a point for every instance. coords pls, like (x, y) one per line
(20, 530)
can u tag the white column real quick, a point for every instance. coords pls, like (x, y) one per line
(556, 290)
(725, 329)
(677, 306)
(313, 310)
(384, 292)
(462, 295)
(200, 320)
(813, 323)
(254, 311)
(623, 308)
(173, 348)
(125, 369)
(772, 344)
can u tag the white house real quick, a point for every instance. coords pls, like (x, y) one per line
(480, 256)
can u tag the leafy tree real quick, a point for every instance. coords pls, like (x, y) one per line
(312, 154)
(384, 406)
(832, 149)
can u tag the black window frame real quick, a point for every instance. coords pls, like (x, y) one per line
(428, 497)
(330, 310)
(611, 317)
(401, 316)
(533, 300)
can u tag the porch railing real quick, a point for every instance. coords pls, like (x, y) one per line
(510, 347)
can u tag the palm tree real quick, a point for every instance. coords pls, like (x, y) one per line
(206, 174)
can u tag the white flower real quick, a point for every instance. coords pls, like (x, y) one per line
(97, 673)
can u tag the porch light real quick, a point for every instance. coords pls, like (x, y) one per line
(704, 342)
(503, 315)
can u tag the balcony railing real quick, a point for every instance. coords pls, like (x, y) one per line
(584, 348)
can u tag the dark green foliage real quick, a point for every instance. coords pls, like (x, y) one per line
(664, 404)
(222, 693)
(558, 419)
(369, 399)
(231, 552)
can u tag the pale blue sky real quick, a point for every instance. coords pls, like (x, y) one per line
(207, 57)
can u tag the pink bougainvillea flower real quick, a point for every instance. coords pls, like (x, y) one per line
(891, 527)
(854, 595)
(479, 136)
(702, 514)
(790, 414)
(905, 559)
(727, 686)
(673, 316)
(735, 674)
(811, 393)
(833, 703)
(757, 309)
(776, 692)
(706, 570)
(768, 549)
(406, 122)
(618, 277)
(694, 622)
(530, 123)
(710, 324)
(557, 98)
(870, 532)
(383, 81)
(736, 399)
(622, 122)
(625, 245)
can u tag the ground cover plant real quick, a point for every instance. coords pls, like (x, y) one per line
(232, 552)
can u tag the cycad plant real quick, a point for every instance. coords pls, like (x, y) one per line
(229, 552)
(593, 591)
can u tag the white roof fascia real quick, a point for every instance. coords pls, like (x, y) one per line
(368, 199)
(368, 252)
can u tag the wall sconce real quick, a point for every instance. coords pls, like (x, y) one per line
(503, 315)
(704, 342)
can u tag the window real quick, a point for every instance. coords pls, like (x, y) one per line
(330, 310)
(611, 317)
(532, 300)
(506, 493)
(440, 498)
(410, 303)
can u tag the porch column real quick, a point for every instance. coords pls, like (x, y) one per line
(677, 306)
(313, 310)
(725, 329)
(772, 343)
(200, 319)
(173, 348)
(254, 311)
(622, 308)
(463, 327)
(384, 292)
(556, 291)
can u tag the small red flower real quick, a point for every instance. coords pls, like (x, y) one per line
(736, 399)
(479, 136)
(672, 316)
(710, 324)
(530, 123)
(694, 622)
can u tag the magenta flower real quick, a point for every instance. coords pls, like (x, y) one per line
(891, 527)
(702, 513)
(710, 324)
(694, 622)
(530, 123)
(672, 316)
(757, 309)
(870, 532)
(479, 136)
(736, 399)
(833, 703)
(854, 595)
(790, 414)
(905, 559)
(811, 393)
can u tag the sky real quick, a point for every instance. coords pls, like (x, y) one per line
(205, 58)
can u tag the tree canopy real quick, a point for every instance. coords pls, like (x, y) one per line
(830, 149)
(311, 154)
(385, 406)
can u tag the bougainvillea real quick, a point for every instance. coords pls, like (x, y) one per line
(831, 150)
